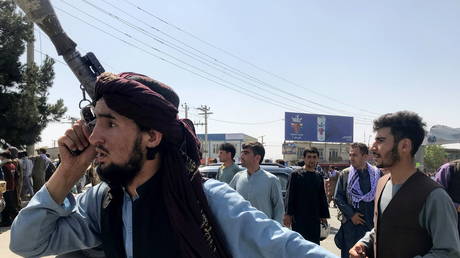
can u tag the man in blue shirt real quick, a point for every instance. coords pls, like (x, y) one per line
(153, 202)
(227, 171)
(261, 188)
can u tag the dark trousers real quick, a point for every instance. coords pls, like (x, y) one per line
(348, 235)
(11, 208)
(309, 228)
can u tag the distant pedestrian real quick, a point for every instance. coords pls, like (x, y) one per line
(448, 176)
(41, 163)
(354, 197)
(306, 200)
(27, 164)
(10, 196)
(261, 188)
(331, 182)
(228, 169)
(19, 175)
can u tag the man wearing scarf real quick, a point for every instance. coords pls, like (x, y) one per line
(153, 201)
(354, 197)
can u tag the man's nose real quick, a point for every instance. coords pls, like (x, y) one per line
(96, 136)
(373, 147)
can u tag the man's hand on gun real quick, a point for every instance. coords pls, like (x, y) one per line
(73, 166)
(76, 140)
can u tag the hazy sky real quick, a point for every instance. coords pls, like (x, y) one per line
(353, 58)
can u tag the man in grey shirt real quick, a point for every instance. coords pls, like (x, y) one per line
(398, 137)
(259, 187)
(228, 170)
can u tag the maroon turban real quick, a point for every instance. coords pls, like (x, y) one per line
(153, 105)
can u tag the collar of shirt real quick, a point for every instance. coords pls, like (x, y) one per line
(259, 171)
(140, 190)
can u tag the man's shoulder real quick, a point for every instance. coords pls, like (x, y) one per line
(234, 167)
(345, 171)
(96, 192)
(240, 173)
(297, 172)
(269, 175)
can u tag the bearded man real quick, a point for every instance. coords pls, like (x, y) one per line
(413, 215)
(153, 201)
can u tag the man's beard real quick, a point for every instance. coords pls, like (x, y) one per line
(121, 175)
(394, 158)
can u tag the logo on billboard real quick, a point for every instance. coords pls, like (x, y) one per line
(318, 128)
(296, 124)
(321, 128)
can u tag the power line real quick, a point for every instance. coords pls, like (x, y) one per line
(243, 60)
(169, 55)
(225, 83)
(57, 59)
(246, 123)
(200, 59)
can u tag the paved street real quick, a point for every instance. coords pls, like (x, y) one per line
(328, 243)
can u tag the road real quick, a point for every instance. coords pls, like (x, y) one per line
(327, 243)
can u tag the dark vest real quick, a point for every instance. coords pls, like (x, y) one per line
(152, 232)
(398, 231)
(453, 188)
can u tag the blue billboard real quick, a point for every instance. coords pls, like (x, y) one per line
(317, 128)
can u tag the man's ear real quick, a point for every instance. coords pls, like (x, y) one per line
(405, 146)
(152, 138)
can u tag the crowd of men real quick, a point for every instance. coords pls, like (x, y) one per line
(423, 215)
(23, 176)
(153, 201)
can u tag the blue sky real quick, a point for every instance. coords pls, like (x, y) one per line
(353, 58)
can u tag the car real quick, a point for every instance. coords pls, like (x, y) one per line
(278, 170)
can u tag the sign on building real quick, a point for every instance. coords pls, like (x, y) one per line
(289, 148)
(318, 128)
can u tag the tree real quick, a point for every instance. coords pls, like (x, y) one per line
(24, 107)
(435, 156)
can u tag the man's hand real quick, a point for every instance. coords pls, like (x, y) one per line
(72, 166)
(458, 209)
(357, 219)
(287, 221)
(76, 139)
(358, 250)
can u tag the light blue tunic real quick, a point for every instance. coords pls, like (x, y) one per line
(263, 190)
(46, 228)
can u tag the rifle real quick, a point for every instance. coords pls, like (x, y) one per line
(86, 68)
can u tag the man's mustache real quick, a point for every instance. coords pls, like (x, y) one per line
(102, 148)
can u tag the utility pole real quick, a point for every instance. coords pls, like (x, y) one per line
(261, 139)
(205, 109)
(186, 108)
(30, 61)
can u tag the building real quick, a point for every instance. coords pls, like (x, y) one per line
(452, 150)
(329, 153)
(216, 139)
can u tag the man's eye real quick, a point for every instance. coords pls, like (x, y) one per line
(111, 124)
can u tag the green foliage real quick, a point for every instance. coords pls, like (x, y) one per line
(434, 157)
(24, 107)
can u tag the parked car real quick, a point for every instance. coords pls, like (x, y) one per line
(278, 170)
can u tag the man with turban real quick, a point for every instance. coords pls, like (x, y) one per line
(153, 202)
